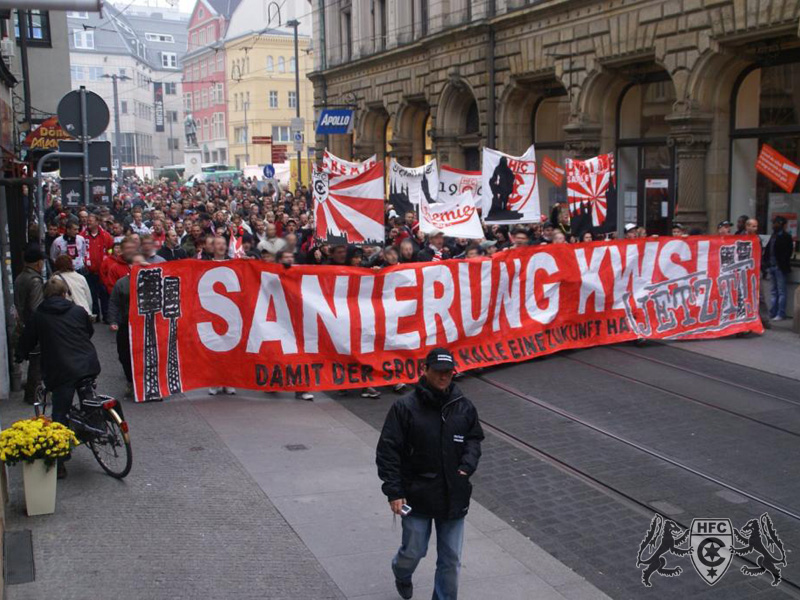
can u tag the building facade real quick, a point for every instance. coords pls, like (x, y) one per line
(204, 94)
(48, 64)
(260, 71)
(684, 92)
(142, 49)
(262, 96)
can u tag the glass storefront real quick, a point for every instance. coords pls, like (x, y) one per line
(766, 110)
(645, 163)
(550, 117)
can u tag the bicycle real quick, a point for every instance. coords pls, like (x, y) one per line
(98, 421)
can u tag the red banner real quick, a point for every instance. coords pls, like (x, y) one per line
(250, 324)
(776, 167)
(553, 171)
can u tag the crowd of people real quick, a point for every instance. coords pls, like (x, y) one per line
(92, 249)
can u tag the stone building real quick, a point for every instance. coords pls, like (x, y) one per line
(142, 48)
(683, 91)
(260, 78)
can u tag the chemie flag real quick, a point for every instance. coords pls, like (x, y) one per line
(457, 218)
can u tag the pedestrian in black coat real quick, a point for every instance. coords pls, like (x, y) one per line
(429, 448)
(64, 332)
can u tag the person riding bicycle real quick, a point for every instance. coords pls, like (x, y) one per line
(64, 332)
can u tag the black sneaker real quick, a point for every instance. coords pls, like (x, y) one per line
(406, 590)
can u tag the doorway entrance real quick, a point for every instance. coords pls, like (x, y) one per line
(656, 208)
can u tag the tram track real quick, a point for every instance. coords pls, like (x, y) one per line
(791, 587)
(792, 514)
(710, 377)
(688, 398)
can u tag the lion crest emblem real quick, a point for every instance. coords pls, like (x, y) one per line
(664, 537)
(759, 535)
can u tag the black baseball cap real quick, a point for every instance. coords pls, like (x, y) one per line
(440, 359)
(724, 224)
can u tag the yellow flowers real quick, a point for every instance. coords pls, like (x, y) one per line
(31, 439)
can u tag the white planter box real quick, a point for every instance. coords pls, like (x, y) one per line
(40, 488)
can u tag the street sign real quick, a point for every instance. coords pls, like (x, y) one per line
(269, 171)
(297, 124)
(99, 159)
(279, 154)
(262, 139)
(297, 138)
(72, 192)
(335, 120)
(69, 114)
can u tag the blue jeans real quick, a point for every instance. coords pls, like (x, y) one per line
(449, 541)
(777, 306)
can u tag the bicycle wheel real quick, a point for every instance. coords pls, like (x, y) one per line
(113, 449)
(40, 404)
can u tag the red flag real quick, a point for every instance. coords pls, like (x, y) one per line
(587, 184)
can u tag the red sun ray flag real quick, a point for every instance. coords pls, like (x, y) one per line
(587, 184)
(348, 209)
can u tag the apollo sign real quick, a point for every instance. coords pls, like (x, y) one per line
(335, 121)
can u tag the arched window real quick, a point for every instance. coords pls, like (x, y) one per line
(270, 64)
(427, 138)
(645, 164)
(472, 159)
(766, 110)
(205, 129)
(281, 65)
(473, 121)
(550, 115)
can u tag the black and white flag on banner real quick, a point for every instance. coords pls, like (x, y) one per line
(510, 191)
(408, 185)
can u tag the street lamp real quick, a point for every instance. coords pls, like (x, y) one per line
(294, 23)
(117, 135)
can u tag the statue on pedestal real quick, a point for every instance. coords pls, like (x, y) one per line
(190, 127)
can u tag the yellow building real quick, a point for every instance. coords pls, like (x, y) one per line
(262, 99)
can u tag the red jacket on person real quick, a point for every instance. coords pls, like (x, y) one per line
(99, 245)
(112, 270)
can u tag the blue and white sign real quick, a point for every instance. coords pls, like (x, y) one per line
(335, 120)
(269, 171)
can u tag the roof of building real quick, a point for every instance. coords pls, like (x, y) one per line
(224, 8)
(141, 35)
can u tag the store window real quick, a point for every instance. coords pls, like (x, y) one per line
(645, 163)
(550, 115)
(766, 111)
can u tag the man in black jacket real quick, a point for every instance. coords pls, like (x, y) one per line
(429, 448)
(64, 332)
(777, 263)
(171, 249)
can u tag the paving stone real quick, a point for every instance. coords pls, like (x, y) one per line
(188, 522)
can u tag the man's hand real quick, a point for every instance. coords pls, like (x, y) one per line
(396, 505)
(463, 473)
(114, 327)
